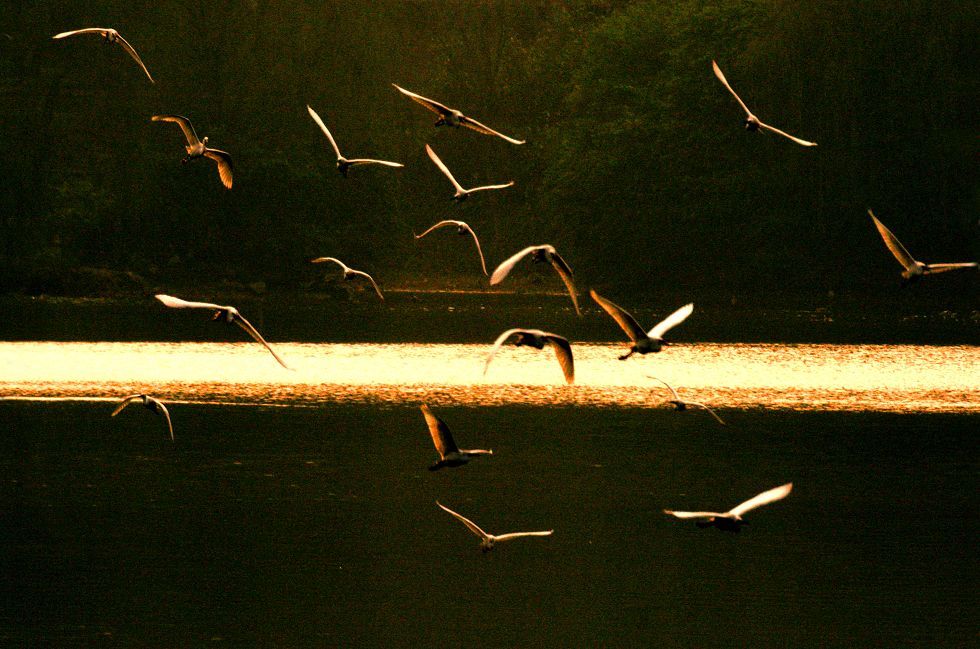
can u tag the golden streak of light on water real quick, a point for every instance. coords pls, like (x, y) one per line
(802, 377)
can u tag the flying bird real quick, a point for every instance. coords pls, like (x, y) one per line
(225, 314)
(449, 454)
(753, 123)
(644, 343)
(110, 36)
(151, 404)
(731, 521)
(538, 339)
(343, 164)
(538, 254)
(461, 194)
(197, 148)
(913, 269)
(487, 541)
(461, 228)
(350, 273)
(452, 117)
(682, 405)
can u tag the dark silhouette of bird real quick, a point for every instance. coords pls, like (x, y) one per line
(153, 405)
(538, 339)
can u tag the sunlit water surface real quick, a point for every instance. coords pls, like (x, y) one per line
(801, 377)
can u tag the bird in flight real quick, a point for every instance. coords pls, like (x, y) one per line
(913, 269)
(197, 148)
(732, 521)
(224, 313)
(538, 339)
(461, 228)
(153, 405)
(449, 454)
(682, 405)
(753, 123)
(643, 342)
(343, 164)
(350, 273)
(111, 36)
(461, 193)
(452, 117)
(487, 541)
(538, 254)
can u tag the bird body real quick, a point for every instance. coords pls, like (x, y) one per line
(488, 541)
(732, 521)
(198, 148)
(914, 270)
(462, 229)
(453, 117)
(461, 193)
(111, 36)
(643, 342)
(153, 405)
(539, 254)
(227, 314)
(449, 454)
(538, 339)
(753, 123)
(350, 273)
(343, 164)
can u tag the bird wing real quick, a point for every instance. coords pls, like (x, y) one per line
(224, 164)
(500, 341)
(253, 332)
(504, 268)
(517, 535)
(102, 31)
(136, 57)
(442, 438)
(565, 272)
(901, 254)
(625, 321)
(467, 522)
(432, 105)
(443, 168)
(166, 415)
(673, 392)
(695, 514)
(441, 224)
(326, 131)
(671, 321)
(177, 303)
(479, 250)
(125, 402)
(471, 123)
(721, 77)
(764, 498)
(563, 352)
(320, 260)
(377, 290)
(185, 126)
(932, 269)
(710, 411)
(785, 134)
(365, 161)
(480, 189)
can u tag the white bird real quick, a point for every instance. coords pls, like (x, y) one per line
(538, 339)
(197, 148)
(487, 541)
(111, 36)
(343, 164)
(913, 269)
(461, 228)
(752, 123)
(225, 314)
(452, 117)
(151, 404)
(644, 343)
(731, 521)
(350, 273)
(461, 193)
(538, 254)
(449, 454)
(682, 405)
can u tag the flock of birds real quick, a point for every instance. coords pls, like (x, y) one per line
(642, 342)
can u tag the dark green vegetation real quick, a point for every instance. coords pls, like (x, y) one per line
(317, 527)
(636, 168)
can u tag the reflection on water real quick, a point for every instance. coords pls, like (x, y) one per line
(800, 377)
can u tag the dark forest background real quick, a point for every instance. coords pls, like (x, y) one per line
(636, 166)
